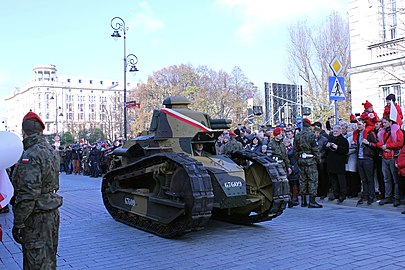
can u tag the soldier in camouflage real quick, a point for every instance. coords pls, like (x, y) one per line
(306, 150)
(278, 150)
(36, 181)
(232, 145)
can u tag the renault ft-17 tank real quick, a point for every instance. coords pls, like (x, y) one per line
(164, 188)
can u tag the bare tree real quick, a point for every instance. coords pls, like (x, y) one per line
(217, 93)
(311, 49)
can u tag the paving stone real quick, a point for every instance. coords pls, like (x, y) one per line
(334, 237)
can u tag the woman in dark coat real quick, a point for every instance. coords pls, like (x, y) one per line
(255, 145)
(337, 148)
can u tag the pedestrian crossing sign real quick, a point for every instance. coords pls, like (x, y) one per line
(336, 88)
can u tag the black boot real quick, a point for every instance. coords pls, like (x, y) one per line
(6, 209)
(313, 203)
(304, 201)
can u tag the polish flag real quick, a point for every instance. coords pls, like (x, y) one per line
(394, 113)
(6, 189)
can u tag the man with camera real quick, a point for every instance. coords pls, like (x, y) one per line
(337, 148)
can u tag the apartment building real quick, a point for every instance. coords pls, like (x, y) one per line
(67, 103)
(377, 41)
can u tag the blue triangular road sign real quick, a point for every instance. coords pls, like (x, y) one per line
(336, 88)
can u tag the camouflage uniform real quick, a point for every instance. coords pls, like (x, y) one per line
(279, 152)
(36, 180)
(305, 142)
(232, 146)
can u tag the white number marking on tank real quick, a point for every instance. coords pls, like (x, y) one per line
(233, 184)
(129, 201)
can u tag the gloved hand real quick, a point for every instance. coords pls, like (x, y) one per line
(18, 234)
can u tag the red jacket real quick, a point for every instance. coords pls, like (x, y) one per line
(370, 121)
(400, 162)
(386, 138)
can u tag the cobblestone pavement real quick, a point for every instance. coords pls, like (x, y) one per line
(334, 237)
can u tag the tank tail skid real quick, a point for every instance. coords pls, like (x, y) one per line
(266, 185)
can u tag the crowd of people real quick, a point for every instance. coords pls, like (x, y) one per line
(361, 158)
(364, 157)
(87, 159)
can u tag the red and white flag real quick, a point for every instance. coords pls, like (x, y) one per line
(394, 113)
(6, 189)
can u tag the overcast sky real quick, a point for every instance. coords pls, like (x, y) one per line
(75, 36)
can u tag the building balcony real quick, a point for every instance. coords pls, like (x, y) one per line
(388, 49)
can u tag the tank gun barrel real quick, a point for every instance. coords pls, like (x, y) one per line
(220, 123)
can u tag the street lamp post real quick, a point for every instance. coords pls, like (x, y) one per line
(118, 25)
(57, 108)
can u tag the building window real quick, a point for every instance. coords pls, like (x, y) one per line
(388, 19)
(69, 107)
(91, 81)
(81, 107)
(394, 89)
(80, 81)
(68, 80)
(397, 92)
(101, 82)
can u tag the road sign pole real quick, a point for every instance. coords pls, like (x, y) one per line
(336, 85)
(336, 113)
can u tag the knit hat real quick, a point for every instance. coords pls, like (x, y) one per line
(32, 123)
(276, 131)
(367, 105)
(353, 118)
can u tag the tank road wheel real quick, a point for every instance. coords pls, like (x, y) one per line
(258, 182)
(266, 180)
(180, 188)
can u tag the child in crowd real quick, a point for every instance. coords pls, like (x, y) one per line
(369, 116)
(387, 109)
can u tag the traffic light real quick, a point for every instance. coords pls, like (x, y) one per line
(306, 111)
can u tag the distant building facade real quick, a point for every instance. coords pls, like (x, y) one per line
(67, 103)
(377, 44)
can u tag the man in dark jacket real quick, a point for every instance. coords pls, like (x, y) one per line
(36, 181)
(337, 148)
(365, 152)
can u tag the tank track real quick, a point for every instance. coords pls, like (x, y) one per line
(280, 189)
(201, 189)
